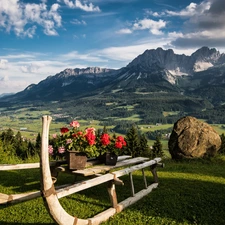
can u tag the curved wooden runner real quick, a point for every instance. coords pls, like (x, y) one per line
(51, 196)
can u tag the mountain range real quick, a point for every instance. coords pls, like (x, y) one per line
(198, 79)
(154, 70)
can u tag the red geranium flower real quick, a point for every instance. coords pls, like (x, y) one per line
(105, 139)
(64, 130)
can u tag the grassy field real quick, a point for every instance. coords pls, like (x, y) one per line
(190, 192)
(28, 122)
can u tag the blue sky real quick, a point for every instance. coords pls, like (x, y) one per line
(39, 38)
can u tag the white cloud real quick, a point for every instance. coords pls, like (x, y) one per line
(22, 18)
(4, 79)
(191, 10)
(54, 14)
(74, 56)
(145, 24)
(83, 6)
(155, 14)
(12, 86)
(18, 75)
(3, 64)
(124, 31)
(78, 22)
(32, 67)
(19, 56)
(175, 34)
(153, 26)
(127, 53)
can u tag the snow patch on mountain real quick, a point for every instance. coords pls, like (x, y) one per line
(177, 72)
(66, 83)
(170, 77)
(201, 66)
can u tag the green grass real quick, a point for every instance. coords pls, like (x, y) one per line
(31, 120)
(133, 118)
(219, 128)
(190, 192)
(153, 127)
(171, 113)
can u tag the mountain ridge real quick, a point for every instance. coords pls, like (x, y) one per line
(153, 70)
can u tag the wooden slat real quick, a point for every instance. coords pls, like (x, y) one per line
(105, 168)
(19, 166)
(4, 167)
(132, 184)
(131, 200)
(123, 157)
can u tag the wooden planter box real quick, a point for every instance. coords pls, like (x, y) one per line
(76, 160)
(108, 159)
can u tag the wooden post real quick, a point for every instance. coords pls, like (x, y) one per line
(112, 194)
(154, 173)
(144, 177)
(131, 184)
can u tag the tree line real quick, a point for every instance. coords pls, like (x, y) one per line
(14, 145)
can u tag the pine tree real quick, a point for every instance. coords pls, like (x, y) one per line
(38, 143)
(105, 131)
(3, 154)
(157, 150)
(32, 150)
(133, 142)
(144, 147)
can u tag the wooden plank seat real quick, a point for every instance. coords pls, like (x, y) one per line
(106, 168)
(93, 167)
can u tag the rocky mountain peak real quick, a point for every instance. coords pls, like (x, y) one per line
(206, 54)
(154, 56)
(77, 71)
(175, 64)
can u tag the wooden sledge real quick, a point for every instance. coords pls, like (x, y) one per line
(51, 195)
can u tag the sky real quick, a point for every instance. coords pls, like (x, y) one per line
(39, 38)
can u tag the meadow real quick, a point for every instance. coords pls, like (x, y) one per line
(29, 124)
(190, 192)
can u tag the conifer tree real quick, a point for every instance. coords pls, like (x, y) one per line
(18, 137)
(3, 154)
(38, 143)
(32, 150)
(133, 143)
(105, 131)
(157, 150)
(8, 143)
(143, 145)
